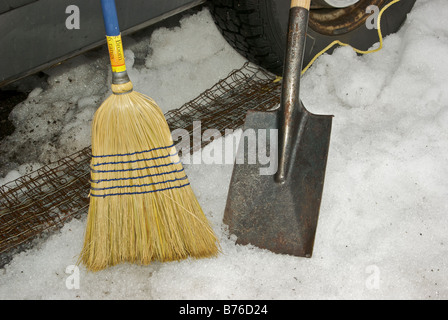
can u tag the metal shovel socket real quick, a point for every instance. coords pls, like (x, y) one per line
(280, 212)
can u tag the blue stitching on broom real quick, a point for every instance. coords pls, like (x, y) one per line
(139, 185)
(135, 169)
(133, 161)
(138, 177)
(143, 192)
(133, 153)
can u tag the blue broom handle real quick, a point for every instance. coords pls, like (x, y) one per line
(114, 43)
(110, 18)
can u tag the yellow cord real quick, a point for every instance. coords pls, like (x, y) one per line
(380, 35)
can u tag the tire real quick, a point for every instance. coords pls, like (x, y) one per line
(257, 28)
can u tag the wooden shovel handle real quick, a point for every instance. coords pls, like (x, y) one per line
(301, 3)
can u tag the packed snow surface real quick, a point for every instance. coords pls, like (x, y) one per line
(383, 222)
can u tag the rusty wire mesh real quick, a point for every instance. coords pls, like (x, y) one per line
(47, 198)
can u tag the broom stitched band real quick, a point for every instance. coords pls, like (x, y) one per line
(142, 192)
(133, 161)
(138, 177)
(121, 93)
(136, 169)
(139, 185)
(133, 153)
(149, 182)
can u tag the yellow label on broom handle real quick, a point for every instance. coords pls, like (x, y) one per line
(116, 53)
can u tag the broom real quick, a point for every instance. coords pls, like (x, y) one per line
(142, 207)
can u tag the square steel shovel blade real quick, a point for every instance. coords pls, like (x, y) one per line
(279, 216)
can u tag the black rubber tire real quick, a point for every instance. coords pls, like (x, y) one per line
(257, 29)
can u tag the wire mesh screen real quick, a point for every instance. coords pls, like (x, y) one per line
(224, 106)
(47, 198)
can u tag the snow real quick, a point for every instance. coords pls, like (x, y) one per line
(383, 220)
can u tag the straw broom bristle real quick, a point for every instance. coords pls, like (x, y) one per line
(142, 207)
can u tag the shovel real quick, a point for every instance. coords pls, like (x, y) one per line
(279, 211)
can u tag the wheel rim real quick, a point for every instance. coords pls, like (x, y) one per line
(337, 21)
(335, 3)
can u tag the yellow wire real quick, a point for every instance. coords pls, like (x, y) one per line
(380, 35)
